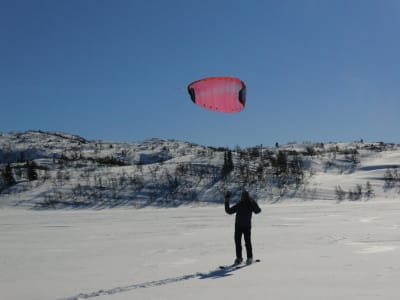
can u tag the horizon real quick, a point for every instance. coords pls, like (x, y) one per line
(273, 145)
(315, 70)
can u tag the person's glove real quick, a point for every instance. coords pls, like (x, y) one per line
(228, 195)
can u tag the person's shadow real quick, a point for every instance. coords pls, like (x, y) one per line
(213, 274)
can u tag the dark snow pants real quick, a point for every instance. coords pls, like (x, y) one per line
(246, 231)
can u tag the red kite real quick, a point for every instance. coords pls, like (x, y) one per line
(223, 94)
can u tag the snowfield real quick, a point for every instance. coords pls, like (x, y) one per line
(308, 250)
(329, 229)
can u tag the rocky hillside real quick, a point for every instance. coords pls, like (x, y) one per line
(59, 170)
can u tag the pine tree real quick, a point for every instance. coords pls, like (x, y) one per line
(228, 166)
(31, 171)
(369, 191)
(296, 169)
(8, 176)
(340, 194)
(281, 163)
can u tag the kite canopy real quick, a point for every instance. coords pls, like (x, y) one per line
(223, 94)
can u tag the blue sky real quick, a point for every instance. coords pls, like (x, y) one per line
(315, 70)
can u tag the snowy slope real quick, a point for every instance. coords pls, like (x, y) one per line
(77, 173)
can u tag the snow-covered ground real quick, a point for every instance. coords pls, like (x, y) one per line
(311, 245)
(309, 250)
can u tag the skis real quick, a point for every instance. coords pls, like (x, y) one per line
(238, 266)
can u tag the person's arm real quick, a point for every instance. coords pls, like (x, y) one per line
(229, 210)
(256, 208)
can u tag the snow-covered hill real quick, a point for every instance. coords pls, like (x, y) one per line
(69, 171)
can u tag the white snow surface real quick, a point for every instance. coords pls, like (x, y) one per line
(311, 245)
(308, 250)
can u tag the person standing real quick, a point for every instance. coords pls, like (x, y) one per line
(244, 211)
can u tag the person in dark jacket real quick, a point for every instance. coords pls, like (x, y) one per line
(244, 211)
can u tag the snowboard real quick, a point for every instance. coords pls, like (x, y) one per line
(238, 266)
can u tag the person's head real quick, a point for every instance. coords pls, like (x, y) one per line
(245, 197)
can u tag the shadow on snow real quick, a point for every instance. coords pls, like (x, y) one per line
(214, 274)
